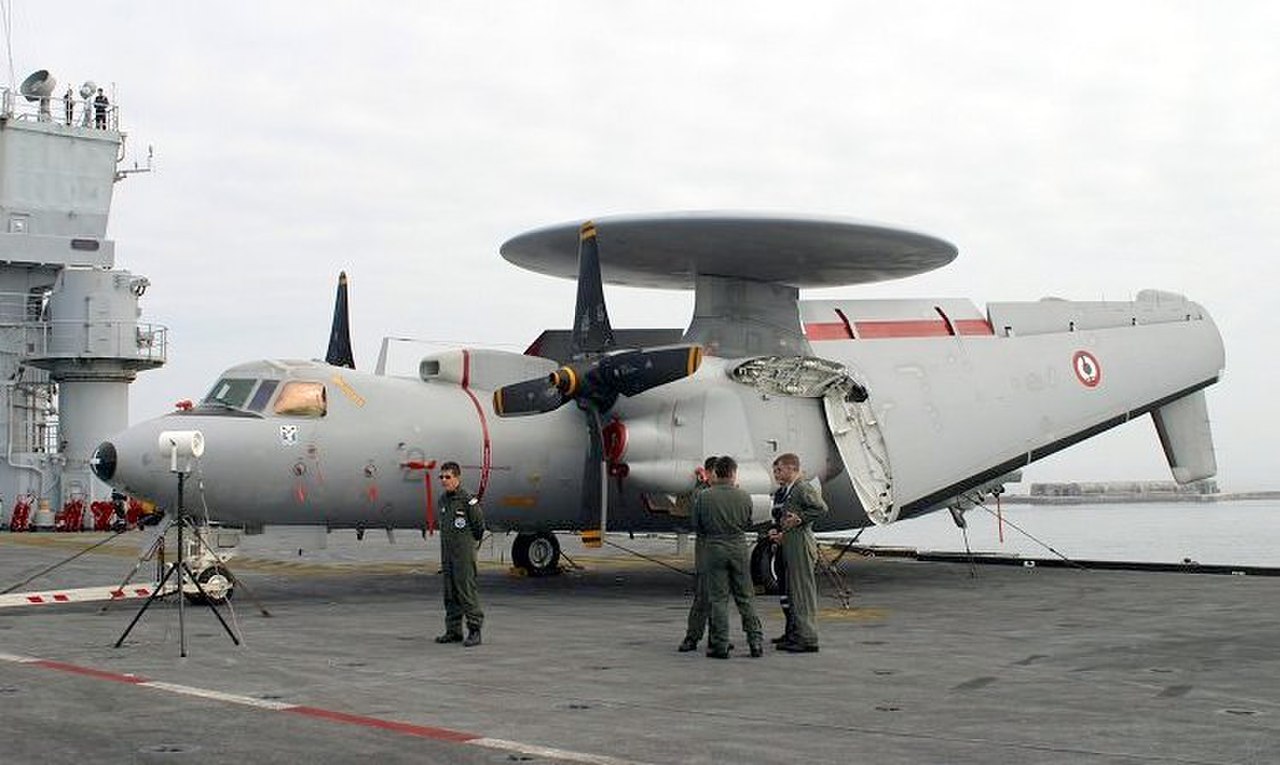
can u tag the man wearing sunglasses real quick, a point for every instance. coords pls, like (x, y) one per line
(461, 529)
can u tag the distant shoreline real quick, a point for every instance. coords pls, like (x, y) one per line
(1128, 499)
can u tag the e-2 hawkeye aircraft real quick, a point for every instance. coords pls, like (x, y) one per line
(898, 407)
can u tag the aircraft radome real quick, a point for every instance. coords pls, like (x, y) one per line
(898, 407)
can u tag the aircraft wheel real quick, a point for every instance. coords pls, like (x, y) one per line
(767, 567)
(538, 554)
(217, 584)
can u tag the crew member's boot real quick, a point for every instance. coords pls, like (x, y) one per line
(473, 637)
(449, 637)
(788, 629)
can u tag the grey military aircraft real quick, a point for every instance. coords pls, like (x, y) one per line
(898, 407)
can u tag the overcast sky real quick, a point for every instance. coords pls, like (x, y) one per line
(1084, 150)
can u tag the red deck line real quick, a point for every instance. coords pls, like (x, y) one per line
(422, 731)
(89, 672)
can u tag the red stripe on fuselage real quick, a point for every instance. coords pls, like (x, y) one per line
(827, 330)
(973, 327)
(879, 330)
(868, 330)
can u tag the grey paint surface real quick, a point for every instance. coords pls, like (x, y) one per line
(670, 250)
(931, 665)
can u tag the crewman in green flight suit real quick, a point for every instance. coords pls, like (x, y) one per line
(721, 516)
(461, 529)
(799, 505)
(700, 609)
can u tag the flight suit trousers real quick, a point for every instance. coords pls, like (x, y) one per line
(801, 552)
(700, 609)
(461, 598)
(727, 576)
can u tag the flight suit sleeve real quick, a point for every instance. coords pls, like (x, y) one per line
(744, 514)
(475, 519)
(808, 503)
(696, 513)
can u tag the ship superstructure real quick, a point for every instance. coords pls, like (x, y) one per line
(70, 339)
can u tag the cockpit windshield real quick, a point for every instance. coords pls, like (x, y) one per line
(302, 398)
(230, 392)
(240, 393)
(262, 395)
(248, 396)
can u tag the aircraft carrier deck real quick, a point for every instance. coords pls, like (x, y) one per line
(935, 662)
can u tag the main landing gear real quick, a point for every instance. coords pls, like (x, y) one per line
(767, 567)
(538, 553)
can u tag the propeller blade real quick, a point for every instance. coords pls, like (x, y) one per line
(632, 372)
(595, 379)
(529, 397)
(339, 354)
(600, 382)
(591, 331)
(595, 484)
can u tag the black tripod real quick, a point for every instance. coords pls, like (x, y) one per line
(182, 521)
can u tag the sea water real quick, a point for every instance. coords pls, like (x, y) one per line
(1244, 532)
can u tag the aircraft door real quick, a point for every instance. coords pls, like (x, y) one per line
(850, 421)
(860, 442)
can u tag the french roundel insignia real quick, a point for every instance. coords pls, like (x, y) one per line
(1087, 369)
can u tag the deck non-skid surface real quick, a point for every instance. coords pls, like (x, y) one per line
(935, 662)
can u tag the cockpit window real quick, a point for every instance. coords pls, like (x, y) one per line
(230, 391)
(262, 394)
(300, 398)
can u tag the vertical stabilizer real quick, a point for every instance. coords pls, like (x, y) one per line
(1183, 426)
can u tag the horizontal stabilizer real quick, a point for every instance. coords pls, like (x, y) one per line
(1183, 426)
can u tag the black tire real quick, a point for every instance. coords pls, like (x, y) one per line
(217, 584)
(538, 554)
(767, 567)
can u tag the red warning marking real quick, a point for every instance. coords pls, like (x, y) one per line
(89, 672)
(423, 731)
(410, 729)
(1088, 370)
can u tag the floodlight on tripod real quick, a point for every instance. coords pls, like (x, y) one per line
(182, 447)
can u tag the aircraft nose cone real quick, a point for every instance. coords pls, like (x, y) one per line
(103, 461)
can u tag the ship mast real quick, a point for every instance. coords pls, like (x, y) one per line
(70, 339)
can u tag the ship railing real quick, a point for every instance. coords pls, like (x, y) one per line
(73, 112)
(134, 344)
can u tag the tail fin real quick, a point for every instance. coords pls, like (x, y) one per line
(1183, 426)
(339, 353)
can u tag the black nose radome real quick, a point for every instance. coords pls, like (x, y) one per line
(103, 461)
